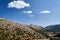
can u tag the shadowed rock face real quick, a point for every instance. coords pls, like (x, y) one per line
(14, 31)
(53, 28)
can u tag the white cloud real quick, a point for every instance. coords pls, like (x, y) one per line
(31, 15)
(27, 12)
(45, 11)
(18, 4)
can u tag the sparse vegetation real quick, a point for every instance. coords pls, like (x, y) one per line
(13, 31)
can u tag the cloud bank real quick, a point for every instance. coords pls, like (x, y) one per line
(18, 4)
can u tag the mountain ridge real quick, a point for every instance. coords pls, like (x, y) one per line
(53, 28)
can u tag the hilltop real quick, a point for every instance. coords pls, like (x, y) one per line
(10, 30)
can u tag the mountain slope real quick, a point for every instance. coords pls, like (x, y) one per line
(53, 28)
(13, 31)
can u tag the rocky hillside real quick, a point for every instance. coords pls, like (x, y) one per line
(53, 28)
(14, 31)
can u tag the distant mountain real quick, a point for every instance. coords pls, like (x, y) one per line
(10, 30)
(36, 27)
(53, 28)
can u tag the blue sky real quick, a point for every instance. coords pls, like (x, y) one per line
(39, 12)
